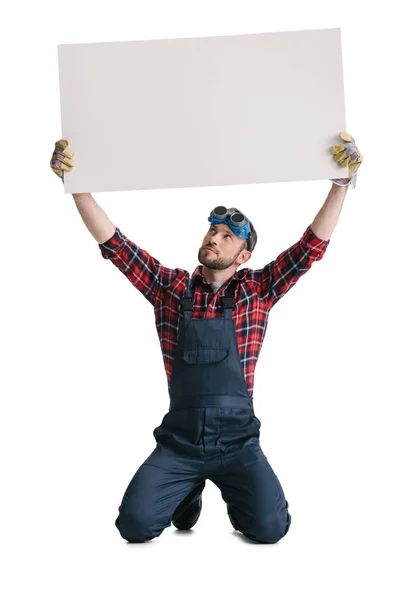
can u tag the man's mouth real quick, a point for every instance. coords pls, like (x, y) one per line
(208, 248)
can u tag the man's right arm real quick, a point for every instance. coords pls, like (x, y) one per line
(94, 217)
(145, 272)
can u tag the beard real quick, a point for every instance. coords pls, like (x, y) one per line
(212, 261)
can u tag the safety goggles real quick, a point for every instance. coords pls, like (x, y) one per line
(236, 221)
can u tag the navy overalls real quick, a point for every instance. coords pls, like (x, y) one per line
(210, 432)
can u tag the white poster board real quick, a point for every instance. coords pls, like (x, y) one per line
(208, 111)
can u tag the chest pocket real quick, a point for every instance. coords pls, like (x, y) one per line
(205, 355)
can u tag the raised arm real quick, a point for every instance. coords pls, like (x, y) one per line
(146, 273)
(94, 217)
(277, 277)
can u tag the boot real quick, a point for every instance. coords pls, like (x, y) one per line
(232, 520)
(190, 514)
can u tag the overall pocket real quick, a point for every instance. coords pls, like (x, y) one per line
(205, 355)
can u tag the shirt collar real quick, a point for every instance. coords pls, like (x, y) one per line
(198, 274)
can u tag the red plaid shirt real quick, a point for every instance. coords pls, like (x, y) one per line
(255, 293)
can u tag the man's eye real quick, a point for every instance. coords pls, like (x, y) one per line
(212, 229)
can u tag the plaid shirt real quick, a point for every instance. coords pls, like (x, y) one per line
(255, 293)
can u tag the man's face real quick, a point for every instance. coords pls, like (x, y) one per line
(220, 247)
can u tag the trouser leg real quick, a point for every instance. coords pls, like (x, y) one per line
(158, 487)
(255, 500)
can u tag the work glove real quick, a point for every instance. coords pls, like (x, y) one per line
(347, 155)
(62, 159)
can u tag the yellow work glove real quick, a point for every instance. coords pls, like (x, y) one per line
(62, 159)
(347, 155)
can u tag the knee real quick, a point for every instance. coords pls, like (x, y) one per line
(270, 529)
(135, 527)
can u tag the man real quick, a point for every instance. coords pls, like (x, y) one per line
(211, 326)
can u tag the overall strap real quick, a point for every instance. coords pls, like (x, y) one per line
(228, 302)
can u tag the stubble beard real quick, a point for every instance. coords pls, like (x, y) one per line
(217, 263)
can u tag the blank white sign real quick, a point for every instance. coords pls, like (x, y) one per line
(223, 110)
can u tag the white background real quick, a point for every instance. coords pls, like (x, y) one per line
(82, 381)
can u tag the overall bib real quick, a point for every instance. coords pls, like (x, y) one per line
(210, 432)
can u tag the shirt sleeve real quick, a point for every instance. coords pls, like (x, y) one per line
(146, 273)
(277, 277)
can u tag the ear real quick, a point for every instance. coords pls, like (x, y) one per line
(244, 256)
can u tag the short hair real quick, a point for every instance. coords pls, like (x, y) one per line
(251, 241)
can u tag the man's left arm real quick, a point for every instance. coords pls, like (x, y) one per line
(274, 280)
(346, 155)
(328, 216)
